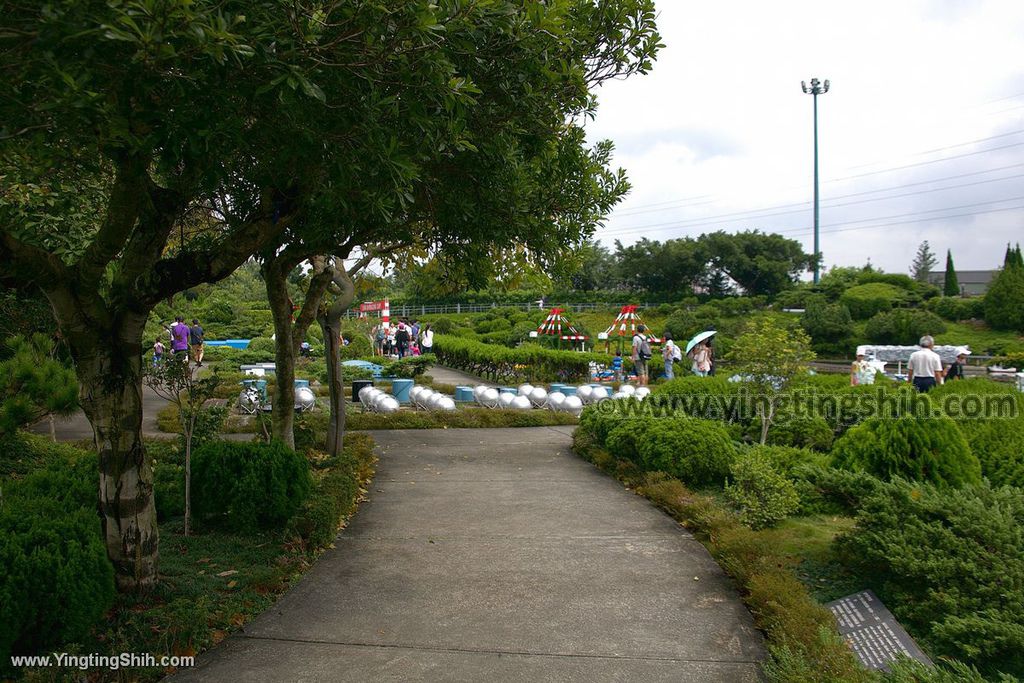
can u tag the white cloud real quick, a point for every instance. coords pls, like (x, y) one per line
(721, 122)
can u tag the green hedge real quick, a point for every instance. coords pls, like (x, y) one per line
(903, 326)
(927, 449)
(335, 493)
(529, 362)
(957, 308)
(697, 452)
(864, 301)
(55, 578)
(761, 494)
(950, 565)
(248, 486)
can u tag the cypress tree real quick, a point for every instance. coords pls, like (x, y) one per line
(950, 285)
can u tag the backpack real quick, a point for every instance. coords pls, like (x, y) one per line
(645, 349)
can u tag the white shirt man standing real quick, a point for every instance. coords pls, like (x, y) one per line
(925, 366)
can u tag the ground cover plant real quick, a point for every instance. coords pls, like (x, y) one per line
(57, 590)
(897, 504)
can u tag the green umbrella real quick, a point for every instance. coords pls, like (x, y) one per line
(697, 339)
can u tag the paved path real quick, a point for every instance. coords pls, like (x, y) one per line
(498, 555)
(450, 376)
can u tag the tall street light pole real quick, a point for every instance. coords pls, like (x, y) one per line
(817, 88)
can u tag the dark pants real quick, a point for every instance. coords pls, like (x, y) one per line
(402, 350)
(923, 384)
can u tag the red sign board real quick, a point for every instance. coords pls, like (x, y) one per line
(372, 306)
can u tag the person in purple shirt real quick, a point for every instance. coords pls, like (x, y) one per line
(179, 338)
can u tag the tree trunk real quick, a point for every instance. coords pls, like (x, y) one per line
(283, 401)
(335, 385)
(330, 323)
(110, 376)
(188, 432)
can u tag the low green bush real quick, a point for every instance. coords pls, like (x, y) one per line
(56, 581)
(529, 362)
(918, 448)
(957, 308)
(169, 489)
(950, 565)
(830, 326)
(335, 494)
(623, 440)
(864, 301)
(903, 326)
(801, 432)
(262, 345)
(696, 451)
(826, 490)
(248, 486)
(761, 494)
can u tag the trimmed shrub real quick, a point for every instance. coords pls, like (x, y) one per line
(263, 346)
(800, 432)
(335, 494)
(698, 452)
(248, 486)
(957, 308)
(760, 494)
(922, 449)
(830, 326)
(169, 489)
(1004, 300)
(529, 362)
(824, 489)
(57, 581)
(903, 326)
(623, 438)
(950, 564)
(597, 423)
(864, 301)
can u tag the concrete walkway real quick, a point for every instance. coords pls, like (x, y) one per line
(498, 555)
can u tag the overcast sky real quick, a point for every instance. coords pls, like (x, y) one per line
(719, 135)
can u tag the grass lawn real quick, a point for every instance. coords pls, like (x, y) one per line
(981, 339)
(805, 544)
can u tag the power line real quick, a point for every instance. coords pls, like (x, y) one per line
(760, 213)
(635, 210)
(807, 231)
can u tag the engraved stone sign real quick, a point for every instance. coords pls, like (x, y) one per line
(872, 632)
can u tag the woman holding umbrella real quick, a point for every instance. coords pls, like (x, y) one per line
(699, 351)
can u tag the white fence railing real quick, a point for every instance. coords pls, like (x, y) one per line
(414, 310)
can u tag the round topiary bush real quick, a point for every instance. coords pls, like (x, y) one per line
(248, 486)
(903, 326)
(262, 346)
(696, 451)
(931, 449)
(864, 301)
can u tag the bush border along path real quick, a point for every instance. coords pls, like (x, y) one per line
(801, 634)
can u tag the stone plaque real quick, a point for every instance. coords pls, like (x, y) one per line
(872, 632)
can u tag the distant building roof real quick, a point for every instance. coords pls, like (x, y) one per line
(964, 277)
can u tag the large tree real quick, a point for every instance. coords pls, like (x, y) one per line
(759, 263)
(950, 284)
(148, 146)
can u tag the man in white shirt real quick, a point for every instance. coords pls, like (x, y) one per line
(925, 366)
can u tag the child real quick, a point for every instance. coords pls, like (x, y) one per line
(617, 366)
(415, 349)
(158, 352)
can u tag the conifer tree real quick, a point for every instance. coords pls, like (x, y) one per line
(950, 285)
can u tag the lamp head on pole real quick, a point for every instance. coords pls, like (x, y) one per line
(816, 88)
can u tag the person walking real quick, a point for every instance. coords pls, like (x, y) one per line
(641, 354)
(956, 370)
(427, 342)
(925, 367)
(195, 340)
(179, 339)
(670, 354)
(158, 352)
